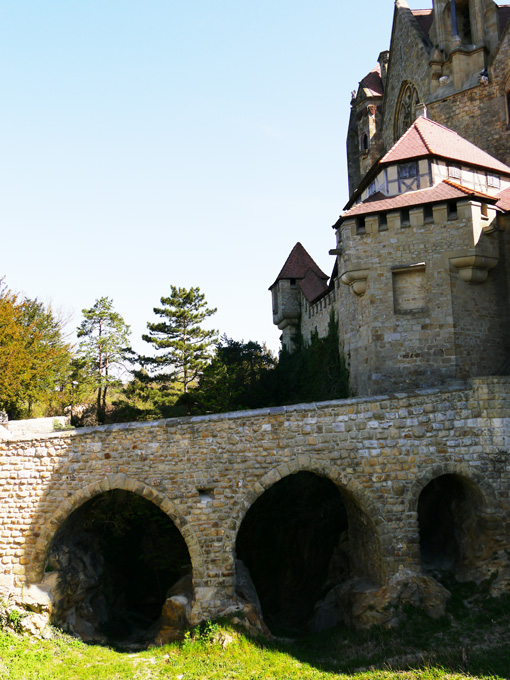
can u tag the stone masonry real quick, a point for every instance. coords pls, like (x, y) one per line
(380, 452)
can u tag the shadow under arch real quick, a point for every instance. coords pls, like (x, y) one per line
(109, 483)
(458, 534)
(304, 531)
(473, 477)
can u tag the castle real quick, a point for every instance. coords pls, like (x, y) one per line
(420, 285)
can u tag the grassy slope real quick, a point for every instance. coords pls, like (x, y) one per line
(472, 641)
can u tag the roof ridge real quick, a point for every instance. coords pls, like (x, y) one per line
(427, 146)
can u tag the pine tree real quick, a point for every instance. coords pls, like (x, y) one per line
(183, 345)
(105, 346)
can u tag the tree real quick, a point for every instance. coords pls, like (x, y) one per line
(183, 343)
(33, 354)
(235, 377)
(104, 347)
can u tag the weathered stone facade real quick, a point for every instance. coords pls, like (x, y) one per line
(426, 294)
(379, 452)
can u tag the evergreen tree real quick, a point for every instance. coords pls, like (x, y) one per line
(104, 347)
(235, 378)
(183, 345)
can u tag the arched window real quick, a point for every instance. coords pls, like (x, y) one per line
(405, 112)
(364, 142)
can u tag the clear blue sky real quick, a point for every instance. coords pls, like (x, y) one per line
(175, 142)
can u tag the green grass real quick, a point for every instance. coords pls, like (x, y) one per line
(472, 641)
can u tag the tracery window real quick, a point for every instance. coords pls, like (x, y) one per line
(405, 110)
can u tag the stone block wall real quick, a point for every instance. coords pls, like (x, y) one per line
(417, 321)
(380, 452)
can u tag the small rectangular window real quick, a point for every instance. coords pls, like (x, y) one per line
(405, 219)
(493, 181)
(407, 170)
(383, 222)
(454, 171)
(428, 213)
(360, 225)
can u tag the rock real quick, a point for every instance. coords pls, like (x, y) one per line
(362, 604)
(175, 615)
(34, 624)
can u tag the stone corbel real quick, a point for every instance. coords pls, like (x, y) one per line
(474, 268)
(356, 280)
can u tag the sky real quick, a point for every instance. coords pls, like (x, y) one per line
(187, 143)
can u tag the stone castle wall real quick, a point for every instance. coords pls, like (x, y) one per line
(418, 322)
(206, 472)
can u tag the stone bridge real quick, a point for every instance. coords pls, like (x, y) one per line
(205, 473)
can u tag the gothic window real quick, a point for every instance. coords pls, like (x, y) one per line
(405, 111)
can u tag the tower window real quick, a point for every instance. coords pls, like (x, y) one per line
(508, 107)
(428, 214)
(360, 225)
(383, 222)
(364, 142)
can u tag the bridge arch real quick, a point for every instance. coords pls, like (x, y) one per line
(109, 483)
(302, 531)
(305, 464)
(462, 470)
(451, 506)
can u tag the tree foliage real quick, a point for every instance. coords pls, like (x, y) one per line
(34, 356)
(182, 344)
(235, 378)
(104, 347)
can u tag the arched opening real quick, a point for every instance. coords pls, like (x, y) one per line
(115, 558)
(450, 517)
(301, 541)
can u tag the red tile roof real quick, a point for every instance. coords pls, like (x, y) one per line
(424, 18)
(373, 82)
(445, 191)
(297, 265)
(312, 285)
(426, 137)
(504, 200)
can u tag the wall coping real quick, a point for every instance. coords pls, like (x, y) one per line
(449, 388)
